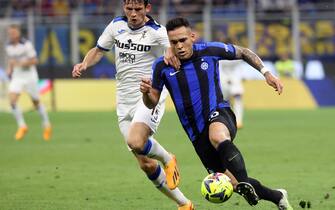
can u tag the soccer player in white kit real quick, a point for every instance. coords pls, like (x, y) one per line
(232, 87)
(23, 75)
(138, 40)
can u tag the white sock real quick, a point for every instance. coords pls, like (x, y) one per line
(154, 150)
(159, 180)
(18, 116)
(238, 109)
(44, 115)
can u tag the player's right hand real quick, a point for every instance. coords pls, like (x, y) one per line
(145, 85)
(77, 69)
(171, 59)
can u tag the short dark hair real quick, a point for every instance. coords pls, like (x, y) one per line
(145, 2)
(16, 26)
(176, 23)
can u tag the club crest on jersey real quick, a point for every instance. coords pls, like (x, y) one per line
(121, 31)
(204, 66)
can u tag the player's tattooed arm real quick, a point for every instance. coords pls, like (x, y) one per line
(252, 59)
(248, 56)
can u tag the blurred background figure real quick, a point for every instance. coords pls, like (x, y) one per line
(285, 65)
(232, 87)
(231, 84)
(3, 82)
(21, 69)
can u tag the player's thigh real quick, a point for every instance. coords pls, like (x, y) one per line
(222, 125)
(16, 86)
(124, 126)
(32, 89)
(149, 117)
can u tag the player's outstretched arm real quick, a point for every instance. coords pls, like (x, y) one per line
(252, 59)
(150, 95)
(92, 57)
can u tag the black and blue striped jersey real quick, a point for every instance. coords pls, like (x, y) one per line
(195, 89)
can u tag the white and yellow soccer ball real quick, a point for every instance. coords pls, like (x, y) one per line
(216, 188)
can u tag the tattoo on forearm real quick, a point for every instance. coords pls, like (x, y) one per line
(251, 58)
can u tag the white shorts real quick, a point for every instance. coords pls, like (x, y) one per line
(30, 85)
(131, 113)
(231, 87)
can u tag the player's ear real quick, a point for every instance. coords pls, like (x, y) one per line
(148, 8)
(193, 36)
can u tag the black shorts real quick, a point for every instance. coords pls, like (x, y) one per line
(207, 153)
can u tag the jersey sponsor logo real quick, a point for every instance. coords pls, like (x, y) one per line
(132, 46)
(127, 57)
(174, 73)
(204, 66)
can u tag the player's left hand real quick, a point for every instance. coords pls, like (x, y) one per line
(171, 59)
(145, 85)
(274, 82)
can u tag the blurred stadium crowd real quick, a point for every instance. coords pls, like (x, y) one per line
(20, 8)
(303, 31)
(62, 36)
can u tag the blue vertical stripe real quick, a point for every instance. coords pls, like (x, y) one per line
(174, 89)
(194, 90)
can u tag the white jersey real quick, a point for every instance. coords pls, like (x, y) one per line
(231, 77)
(22, 51)
(135, 52)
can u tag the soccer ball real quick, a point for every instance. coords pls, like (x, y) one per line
(216, 188)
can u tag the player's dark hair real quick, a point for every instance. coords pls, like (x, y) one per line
(176, 23)
(16, 26)
(145, 2)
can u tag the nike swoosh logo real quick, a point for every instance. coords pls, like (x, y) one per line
(230, 159)
(173, 73)
(121, 31)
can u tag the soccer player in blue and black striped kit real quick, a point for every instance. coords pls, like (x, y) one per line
(204, 114)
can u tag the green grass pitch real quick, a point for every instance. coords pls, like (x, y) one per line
(87, 166)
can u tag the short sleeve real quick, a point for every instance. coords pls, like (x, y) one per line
(222, 50)
(106, 39)
(157, 77)
(162, 37)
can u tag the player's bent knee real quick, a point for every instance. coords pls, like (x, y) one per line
(218, 138)
(136, 144)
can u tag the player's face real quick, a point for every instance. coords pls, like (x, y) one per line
(181, 41)
(13, 34)
(136, 13)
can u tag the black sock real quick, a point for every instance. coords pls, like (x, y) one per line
(232, 159)
(265, 193)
